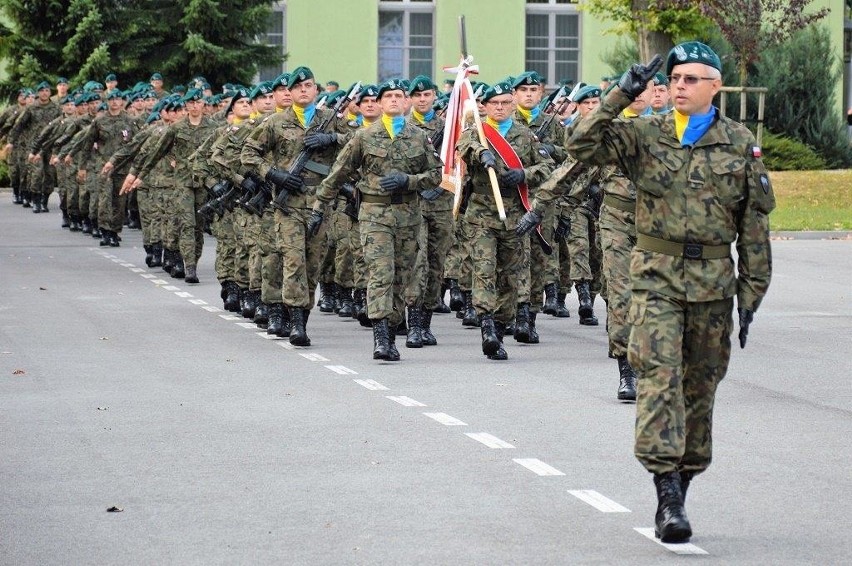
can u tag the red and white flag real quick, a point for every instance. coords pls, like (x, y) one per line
(453, 170)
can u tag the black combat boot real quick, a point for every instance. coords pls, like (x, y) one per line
(286, 326)
(168, 260)
(275, 319)
(361, 315)
(456, 295)
(44, 203)
(627, 380)
(685, 480)
(440, 306)
(96, 231)
(584, 298)
(381, 339)
(36, 203)
(25, 199)
(393, 353)
(347, 305)
(549, 306)
(522, 323)
(261, 315)
(470, 318)
(232, 301)
(298, 332)
(326, 300)
(561, 309)
(223, 289)
(16, 193)
(149, 254)
(250, 303)
(490, 341)
(191, 274)
(414, 337)
(114, 239)
(178, 271)
(66, 221)
(104, 238)
(670, 522)
(336, 297)
(157, 254)
(87, 226)
(534, 339)
(426, 328)
(500, 354)
(75, 224)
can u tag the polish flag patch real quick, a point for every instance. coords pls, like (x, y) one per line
(755, 151)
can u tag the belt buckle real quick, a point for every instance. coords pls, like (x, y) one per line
(396, 198)
(693, 251)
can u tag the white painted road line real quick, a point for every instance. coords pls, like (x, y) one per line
(171, 288)
(488, 440)
(314, 357)
(116, 260)
(211, 309)
(342, 370)
(445, 419)
(126, 265)
(230, 317)
(250, 325)
(147, 275)
(199, 302)
(159, 282)
(538, 467)
(598, 501)
(184, 294)
(405, 401)
(370, 384)
(137, 270)
(266, 336)
(687, 548)
(286, 345)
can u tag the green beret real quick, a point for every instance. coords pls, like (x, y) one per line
(156, 77)
(479, 89)
(93, 97)
(587, 92)
(331, 98)
(332, 83)
(367, 90)
(81, 99)
(179, 89)
(440, 103)
(193, 94)
(496, 90)
(61, 81)
(263, 88)
(421, 83)
(93, 85)
(661, 80)
(114, 93)
(152, 117)
(43, 85)
(530, 78)
(389, 85)
(111, 77)
(281, 80)
(29, 92)
(692, 52)
(450, 82)
(241, 92)
(298, 75)
(175, 104)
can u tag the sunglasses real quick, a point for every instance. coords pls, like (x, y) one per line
(688, 79)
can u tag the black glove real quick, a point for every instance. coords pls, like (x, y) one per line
(249, 186)
(549, 148)
(314, 223)
(347, 191)
(431, 194)
(487, 159)
(220, 188)
(527, 222)
(563, 228)
(512, 178)
(394, 182)
(635, 81)
(319, 140)
(285, 180)
(746, 316)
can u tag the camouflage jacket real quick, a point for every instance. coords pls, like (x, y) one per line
(67, 142)
(714, 193)
(226, 151)
(8, 118)
(104, 136)
(176, 145)
(434, 128)
(30, 122)
(162, 174)
(553, 134)
(481, 207)
(53, 131)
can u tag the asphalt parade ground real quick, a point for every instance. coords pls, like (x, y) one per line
(124, 389)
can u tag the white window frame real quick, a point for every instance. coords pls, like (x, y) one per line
(552, 9)
(408, 7)
(278, 8)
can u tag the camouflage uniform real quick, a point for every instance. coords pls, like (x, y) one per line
(78, 200)
(43, 146)
(692, 203)
(7, 120)
(26, 128)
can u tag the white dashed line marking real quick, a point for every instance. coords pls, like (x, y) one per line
(445, 419)
(342, 370)
(266, 336)
(406, 401)
(489, 440)
(147, 275)
(137, 270)
(371, 384)
(159, 282)
(126, 265)
(286, 345)
(251, 325)
(199, 302)
(598, 501)
(184, 294)
(109, 256)
(538, 467)
(314, 357)
(230, 317)
(687, 548)
(171, 288)
(211, 309)
(116, 260)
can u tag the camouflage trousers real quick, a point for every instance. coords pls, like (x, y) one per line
(350, 270)
(458, 265)
(17, 173)
(584, 249)
(66, 185)
(539, 268)
(618, 236)
(170, 225)
(191, 242)
(254, 232)
(270, 260)
(680, 352)
(41, 178)
(91, 195)
(433, 243)
(226, 242)
(389, 241)
(300, 256)
(111, 205)
(242, 245)
(151, 213)
(328, 264)
(497, 256)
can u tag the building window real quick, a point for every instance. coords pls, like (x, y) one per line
(405, 38)
(276, 36)
(553, 40)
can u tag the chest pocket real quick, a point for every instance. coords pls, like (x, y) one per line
(290, 142)
(375, 159)
(726, 177)
(662, 170)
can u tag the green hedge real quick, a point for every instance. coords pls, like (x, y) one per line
(785, 154)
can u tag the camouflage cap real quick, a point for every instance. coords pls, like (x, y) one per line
(298, 75)
(367, 91)
(496, 90)
(692, 52)
(421, 83)
(587, 92)
(389, 85)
